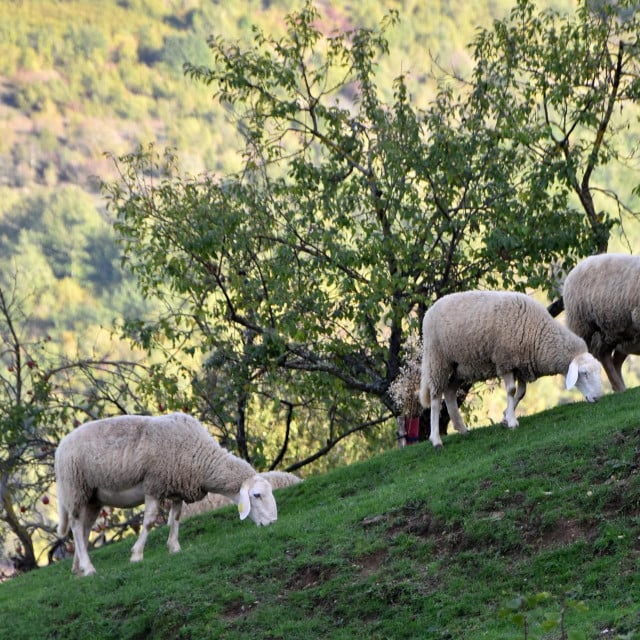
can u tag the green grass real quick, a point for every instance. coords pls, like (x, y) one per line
(414, 543)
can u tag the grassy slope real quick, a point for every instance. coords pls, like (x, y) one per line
(411, 544)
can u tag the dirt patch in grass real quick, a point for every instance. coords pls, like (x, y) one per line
(235, 609)
(370, 563)
(420, 525)
(309, 576)
(563, 532)
(416, 520)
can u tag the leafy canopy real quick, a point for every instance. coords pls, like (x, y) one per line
(566, 89)
(299, 278)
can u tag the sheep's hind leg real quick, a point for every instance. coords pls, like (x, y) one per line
(514, 395)
(436, 405)
(150, 513)
(81, 527)
(452, 408)
(520, 391)
(173, 543)
(611, 360)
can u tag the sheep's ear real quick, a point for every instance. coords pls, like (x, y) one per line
(244, 504)
(572, 375)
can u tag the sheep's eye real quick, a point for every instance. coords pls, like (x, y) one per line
(257, 495)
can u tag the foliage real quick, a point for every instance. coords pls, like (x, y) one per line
(564, 88)
(45, 220)
(77, 276)
(518, 611)
(408, 544)
(299, 278)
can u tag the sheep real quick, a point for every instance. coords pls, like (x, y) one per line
(478, 335)
(602, 305)
(277, 480)
(129, 460)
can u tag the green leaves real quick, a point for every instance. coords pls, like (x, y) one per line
(522, 610)
(556, 85)
(353, 211)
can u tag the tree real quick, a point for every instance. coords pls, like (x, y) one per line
(564, 88)
(299, 278)
(41, 395)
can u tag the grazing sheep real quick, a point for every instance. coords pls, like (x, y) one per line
(277, 480)
(478, 335)
(602, 305)
(129, 460)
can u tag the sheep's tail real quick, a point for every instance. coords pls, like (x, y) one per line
(423, 394)
(63, 516)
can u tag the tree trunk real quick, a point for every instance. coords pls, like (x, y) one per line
(25, 559)
(556, 307)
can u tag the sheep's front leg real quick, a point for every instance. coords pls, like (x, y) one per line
(514, 395)
(150, 514)
(452, 408)
(173, 543)
(617, 361)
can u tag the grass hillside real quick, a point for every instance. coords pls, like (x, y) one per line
(414, 543)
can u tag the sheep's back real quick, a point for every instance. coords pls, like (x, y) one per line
(481, 334)
(602, 293)
(123, 451)
(473, 324)
(280, 479)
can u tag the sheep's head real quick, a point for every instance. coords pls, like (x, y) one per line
(256, 501)
(584, 373)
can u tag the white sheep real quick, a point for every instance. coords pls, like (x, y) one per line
(602, 305)
(277, 480)
(478, 335)
(125, 461)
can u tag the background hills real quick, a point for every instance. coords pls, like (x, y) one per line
(78, 82)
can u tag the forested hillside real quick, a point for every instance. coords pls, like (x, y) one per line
(78, 83)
